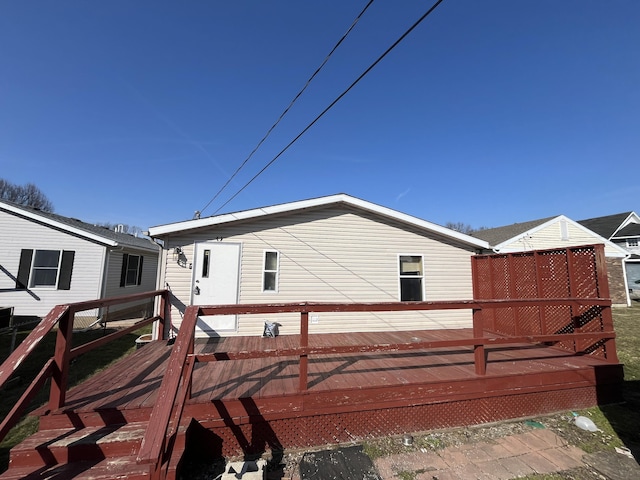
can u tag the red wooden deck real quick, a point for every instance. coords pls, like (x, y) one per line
(255, 403)
(542, 341)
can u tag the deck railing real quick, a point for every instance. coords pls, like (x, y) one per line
(57, 367)
(176, 384)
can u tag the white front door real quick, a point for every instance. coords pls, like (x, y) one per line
(216, 272)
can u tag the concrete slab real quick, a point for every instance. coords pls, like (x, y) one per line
(613, 465)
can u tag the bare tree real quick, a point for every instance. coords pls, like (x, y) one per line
(28, 195)
(123, 228)
(462, 227)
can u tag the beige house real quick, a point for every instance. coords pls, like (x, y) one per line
(560, 232)
(329, 249)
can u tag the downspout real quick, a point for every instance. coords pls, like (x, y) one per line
(624, 275)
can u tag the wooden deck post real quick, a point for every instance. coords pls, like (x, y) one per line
(478, 348)
(60, 374)
(304, 343)
(602, 280)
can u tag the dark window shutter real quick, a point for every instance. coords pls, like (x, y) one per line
(24, 269)
(140, 270)
(66, 268)
(123, 273)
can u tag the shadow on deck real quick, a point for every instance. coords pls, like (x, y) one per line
(254, 404)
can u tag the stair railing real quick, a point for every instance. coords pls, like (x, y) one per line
(57, 367)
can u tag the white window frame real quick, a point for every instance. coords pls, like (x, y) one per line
(276, 272)
(632, 242)
(421, 277)
(34, 268)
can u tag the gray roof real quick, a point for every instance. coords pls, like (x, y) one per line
(631, 230)
(605, 226)
(123, 239)
(496, 236)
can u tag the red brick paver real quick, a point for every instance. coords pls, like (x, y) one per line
(537, 451)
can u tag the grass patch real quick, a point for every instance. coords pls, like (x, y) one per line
(81, 368)
(620, 424)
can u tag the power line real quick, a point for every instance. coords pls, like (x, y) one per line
(286, 110)
(332, 104)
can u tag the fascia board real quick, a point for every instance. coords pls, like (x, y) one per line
(315, 202)
(423, 224)
(58, 225)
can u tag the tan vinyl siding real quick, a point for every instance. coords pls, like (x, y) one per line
(334, 255)
(551, 237)
(18, 233)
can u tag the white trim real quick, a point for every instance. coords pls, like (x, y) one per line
(422, 276)
(34, 267)
(58, 225)
(161, 230)
(277, 270)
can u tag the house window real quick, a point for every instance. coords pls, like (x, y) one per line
(632, 242)
(131, 273)
(45, 268)
(270, 271)
(411, 278)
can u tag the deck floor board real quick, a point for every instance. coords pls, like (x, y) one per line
(133, 384)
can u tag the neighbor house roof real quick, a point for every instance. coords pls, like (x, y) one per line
(96, 233)
(497, 235)
(606, 226)
(631, 230)
(339, 199)
(502, 237)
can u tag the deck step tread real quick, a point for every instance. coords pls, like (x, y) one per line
(58, 446)
(111, 468)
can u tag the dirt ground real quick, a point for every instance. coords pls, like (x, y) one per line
(561, 424)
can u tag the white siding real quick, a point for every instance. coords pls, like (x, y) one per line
(333, 255)
(114, 270)
(551, 237)
(16, 234)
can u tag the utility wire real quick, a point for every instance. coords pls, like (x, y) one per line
(332, 104)
(286, 110)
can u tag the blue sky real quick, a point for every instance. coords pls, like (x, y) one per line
(489, 113)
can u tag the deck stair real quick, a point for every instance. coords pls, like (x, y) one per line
(94, 452)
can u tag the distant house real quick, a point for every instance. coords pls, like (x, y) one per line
(623, 229)
(47, 259)
(559, 232)
(330, 249)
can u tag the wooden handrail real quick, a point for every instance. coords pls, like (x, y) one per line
(57, 367)
(12, 417)
(321, 307)
(154, 441)
(399, 347)
(180, 366)
(18, 356)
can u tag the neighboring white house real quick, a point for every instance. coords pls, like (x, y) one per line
(329, 249)
(47, 260)
(623, 229)
(559, 232)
